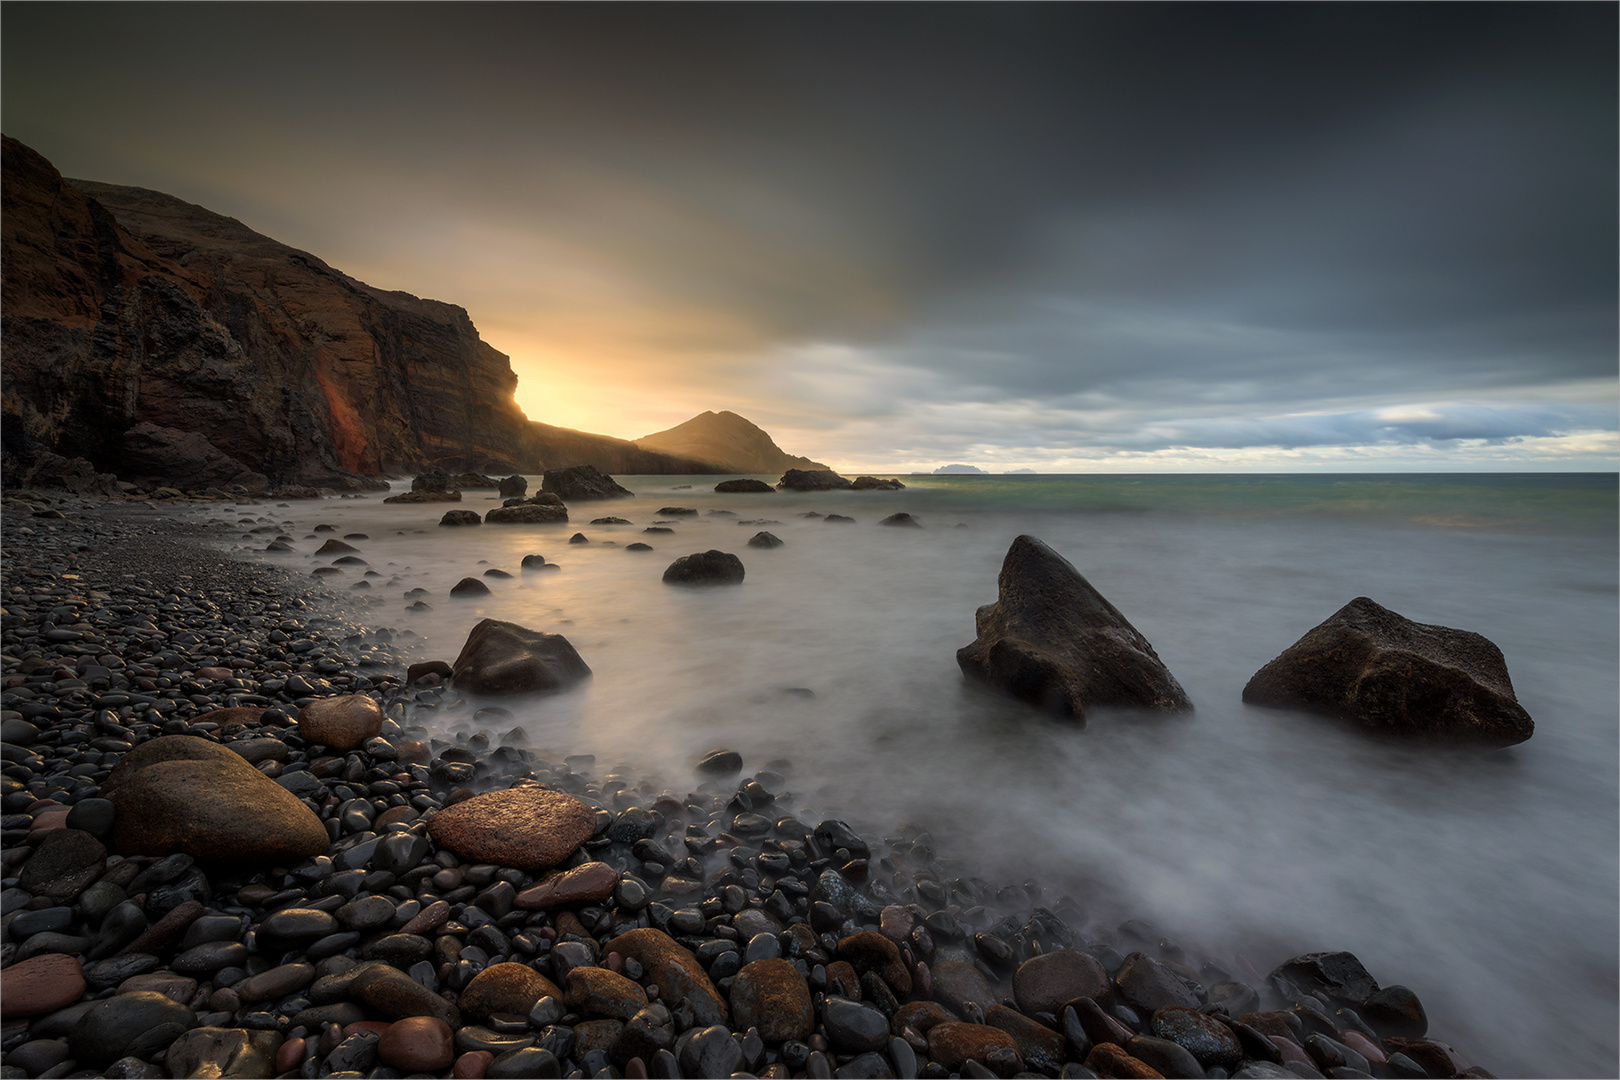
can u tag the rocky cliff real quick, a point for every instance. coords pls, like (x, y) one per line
(729, 442)
(151, 336)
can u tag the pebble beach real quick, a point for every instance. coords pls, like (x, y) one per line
(708, 927)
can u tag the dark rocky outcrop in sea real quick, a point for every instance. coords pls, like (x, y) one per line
(502, 658)
(467, 906)
(582, 482)
(812, 480)
(1054, 641)
(705, 568)
(1381, 670)
(743, 487)
(872, 483)
(136, 324)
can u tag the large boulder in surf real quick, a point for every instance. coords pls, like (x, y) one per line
(705, 568)
(582, 482)
(527, 513)
(514, 485)
(1052, 640)
(503, 658)
(812, 480)
(874, 483)
(741, 487)
(1391, 675)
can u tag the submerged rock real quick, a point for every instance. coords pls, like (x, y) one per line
(502, 658)
(812, 480)
(901, 521)
(1387, 673)
(582, 482)
(764, 540)
(873, 483)
(705, 568)
(739, 487)
(530, 512)
(1052, 640)
(461, 517)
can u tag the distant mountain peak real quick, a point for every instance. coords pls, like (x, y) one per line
(728, 441)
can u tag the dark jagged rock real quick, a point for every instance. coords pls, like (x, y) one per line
(527, 513)
(1052, 640)
(740, 487)
(582, 482)
(901, 521)
(705, 568)
(424, 497)
(872, 483)
(812, 480)
(502, 658)
(461, 517)
(1394, 676)
(765, 540)
(513, 487)
(155, 455)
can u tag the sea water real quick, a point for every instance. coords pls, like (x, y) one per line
(1484, 880)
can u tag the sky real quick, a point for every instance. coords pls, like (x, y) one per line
(1067, 237)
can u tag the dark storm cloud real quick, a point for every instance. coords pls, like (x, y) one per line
(1160, 208)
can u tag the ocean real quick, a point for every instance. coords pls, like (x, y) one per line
(1486, 881)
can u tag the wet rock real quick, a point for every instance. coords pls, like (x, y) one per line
(1040, 1047)
(343, 723)
(954, 1043)
(774, 997)
(705, 568)
(1052, 640)
(40, 985)
(63, 865)
(741, 487)
(1168, 1059)
(764, 540)
(469, 587)
(138, 1024)
(503, 658)
(1108, 1059)
(527, 513)
(223, 1052)
(582, 482)
(182, 793)
(588, 883)
(853, 1027)
(599, 992)
(870, 951)
(417, 1044)
(812, 480)
(956, 985)
(1395, 1010)
(873, 483)
(461, 517)
(901, 521)
(392, 993)
(1146, 985)
(1204, 1037)
(1391, 675)
(1336, 974)
(675, 971)
(1044, 983)
(530, 828)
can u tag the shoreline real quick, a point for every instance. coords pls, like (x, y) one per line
(235, 611)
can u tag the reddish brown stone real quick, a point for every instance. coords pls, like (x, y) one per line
(920, 1015)
(418, 1044)
(472, 1065)
(1204, 1037)
(1110, 1060)
(596, 1035)
(872, 951)
(672, 968)
(530, 828)
(174, 987)
(505, 988)
(842, 980)
(1041, 1048)
(41, 984)
(429, 918)
(600, 992)
(954, 1042)
(588, 883)
(1043, 983)
(342, 723)
(772, 996)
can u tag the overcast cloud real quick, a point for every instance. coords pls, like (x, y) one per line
(1049, 236)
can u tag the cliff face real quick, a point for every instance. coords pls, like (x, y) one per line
(729, 442)
(125, 307)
